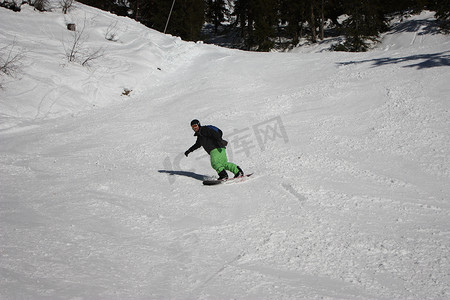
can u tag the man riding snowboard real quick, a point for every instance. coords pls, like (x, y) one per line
(210, 138)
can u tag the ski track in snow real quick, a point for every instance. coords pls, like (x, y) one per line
(354, 205)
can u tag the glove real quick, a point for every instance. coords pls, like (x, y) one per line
(187, 153)
(224, 143)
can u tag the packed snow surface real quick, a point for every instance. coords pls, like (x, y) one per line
(350, 197)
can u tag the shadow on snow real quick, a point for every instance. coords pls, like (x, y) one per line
(419, 61)
(423, 27)
(185, 173)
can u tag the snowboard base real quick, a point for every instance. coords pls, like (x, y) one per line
(229, 180)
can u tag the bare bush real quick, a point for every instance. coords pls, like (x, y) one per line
(73, 47)
(12, 5)
(41, 5)
(90, 56)
(10, 58)
(76, 51)
(66, 5)
(111, 32)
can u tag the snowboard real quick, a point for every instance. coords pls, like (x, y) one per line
(229, 180)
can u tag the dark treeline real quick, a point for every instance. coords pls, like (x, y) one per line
(262, 25)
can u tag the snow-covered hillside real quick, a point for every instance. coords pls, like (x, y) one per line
(350, 198)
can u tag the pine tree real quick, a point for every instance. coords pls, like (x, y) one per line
(244, 19)
(442, 9)
(192, 17)
(334, 9)
(365, 22)
(186, 20)
(102, 4)
(401, 6)
(215, 13)
(264, 24)
(118, 7)
(257, 20)
(292, 12)
(312, 20)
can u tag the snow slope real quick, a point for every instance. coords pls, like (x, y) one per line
(350, 197)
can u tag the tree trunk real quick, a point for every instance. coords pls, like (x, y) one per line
(322, 20)
(313, 24)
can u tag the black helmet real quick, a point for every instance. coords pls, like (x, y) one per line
(195, 122)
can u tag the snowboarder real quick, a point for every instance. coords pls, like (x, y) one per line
(210, 137)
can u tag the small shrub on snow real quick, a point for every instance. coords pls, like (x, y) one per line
(40, 5)
(111, 32)
(66, 5)
(76, 51)
(10, 58)
(12, 5)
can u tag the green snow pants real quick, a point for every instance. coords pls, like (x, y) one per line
(219, 161)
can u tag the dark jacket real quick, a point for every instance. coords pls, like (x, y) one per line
(209, 137)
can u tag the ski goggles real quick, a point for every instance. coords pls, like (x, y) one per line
(195, 126)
